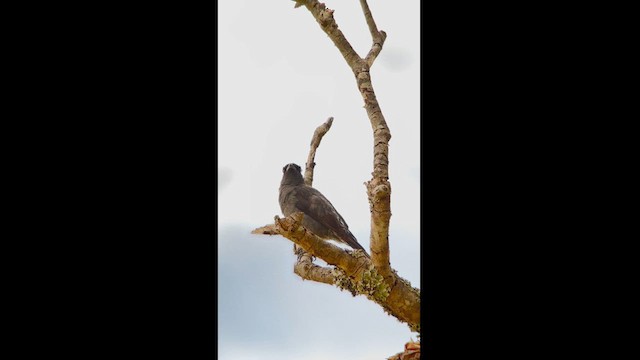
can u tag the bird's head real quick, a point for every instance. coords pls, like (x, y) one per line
(292, 175)
(292, 166)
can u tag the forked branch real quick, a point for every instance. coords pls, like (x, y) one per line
(378, 188)
(378, 37)
(354, 272)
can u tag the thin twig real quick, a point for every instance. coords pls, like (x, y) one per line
(315, 142)
(373, 29)
(377, 37)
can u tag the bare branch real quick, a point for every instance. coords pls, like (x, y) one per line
(375, 49)
(309, 271)
(378, 37)
(266, 230)
(360, 69)
(379, 193)
(324, 17)
(315, 142)
(373, 29)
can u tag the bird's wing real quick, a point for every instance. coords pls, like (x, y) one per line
(319, 208)
(314, 204)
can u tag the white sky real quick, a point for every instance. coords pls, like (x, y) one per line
(279, 78)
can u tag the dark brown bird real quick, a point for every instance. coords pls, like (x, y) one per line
(319, 214)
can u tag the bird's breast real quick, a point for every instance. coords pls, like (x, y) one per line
(287, 199)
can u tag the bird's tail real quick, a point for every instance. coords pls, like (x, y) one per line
(353, 242)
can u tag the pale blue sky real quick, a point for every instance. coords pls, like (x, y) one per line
(279, 78)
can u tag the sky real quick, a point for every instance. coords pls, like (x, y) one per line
(279, 77)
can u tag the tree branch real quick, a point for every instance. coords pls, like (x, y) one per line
(324, 17)
(373, 29)
(306, 269)
(304, 266)
(379, 188)
(291, 228)
(315, 142)
(378, 37)
(375, 49)
(266, 230)
(354, 272)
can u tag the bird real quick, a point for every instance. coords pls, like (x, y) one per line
(320, 216)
